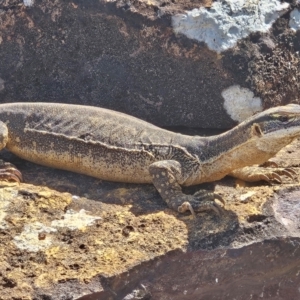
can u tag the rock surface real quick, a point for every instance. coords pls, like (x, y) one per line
(68, 236)
(81, 238)
(264, 270)
(140, 57)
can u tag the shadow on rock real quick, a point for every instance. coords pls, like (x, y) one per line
(207, 231)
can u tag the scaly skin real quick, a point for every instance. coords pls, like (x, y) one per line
(117, 147)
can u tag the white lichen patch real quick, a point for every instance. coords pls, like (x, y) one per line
(75, 220)
(240, 103)
(295, 19)
(30, 239)
(221, 26)
(28, 2)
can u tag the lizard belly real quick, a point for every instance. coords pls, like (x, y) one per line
(86, 157)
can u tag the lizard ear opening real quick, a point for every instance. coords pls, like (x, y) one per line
(256, 130)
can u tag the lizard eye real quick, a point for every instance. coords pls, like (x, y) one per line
(283, 118)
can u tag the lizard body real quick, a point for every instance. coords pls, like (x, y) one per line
(114, 146)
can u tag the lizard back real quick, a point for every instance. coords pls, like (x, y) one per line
(89, 140)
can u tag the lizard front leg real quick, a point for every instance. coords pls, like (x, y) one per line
(167, 177)
(7, 170)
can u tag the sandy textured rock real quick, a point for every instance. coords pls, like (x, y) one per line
(130, 56)
(49, 241)
(82, 237)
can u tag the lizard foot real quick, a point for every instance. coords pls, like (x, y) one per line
(201, 201)
(167, 176)
(272, 174)
(9, 172)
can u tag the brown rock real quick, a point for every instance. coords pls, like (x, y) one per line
(125, 55)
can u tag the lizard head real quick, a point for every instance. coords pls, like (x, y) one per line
(253, 141)
(276, 127)
(278, 121)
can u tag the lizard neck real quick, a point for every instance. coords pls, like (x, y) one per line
(237, 148)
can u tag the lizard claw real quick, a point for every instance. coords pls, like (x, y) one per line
(202, 201)
(289, 173)
(202, 195)
(219, 198)
(199, 206)
(270, 175)
(9, 172)
(186, 206)
(275, 177)
(273, 171)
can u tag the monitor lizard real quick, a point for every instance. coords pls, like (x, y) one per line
(117, 147)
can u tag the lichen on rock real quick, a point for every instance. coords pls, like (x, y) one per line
(226, 22)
